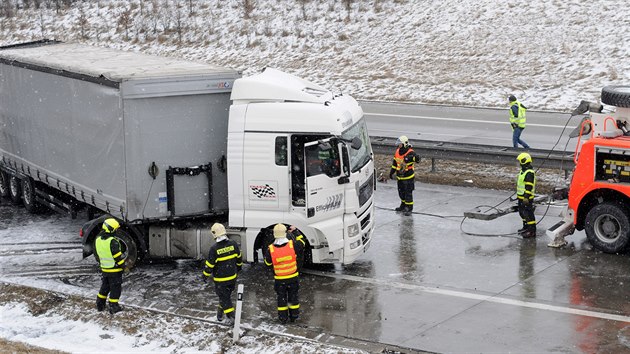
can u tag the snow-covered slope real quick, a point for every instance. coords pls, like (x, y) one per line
(549, 53)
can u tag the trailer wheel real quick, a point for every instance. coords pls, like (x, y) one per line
(607, 227)
(618, 96)
(28, 196)
(4, 185)
(128, 245)
(15, 190)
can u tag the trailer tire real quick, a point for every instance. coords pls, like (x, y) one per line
(129, 248)
(4, 185)
(618, 96)
(15, 189)
(607, 227)
(28, 196)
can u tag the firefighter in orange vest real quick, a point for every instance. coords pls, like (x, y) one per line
(403, 167)
(285, 256)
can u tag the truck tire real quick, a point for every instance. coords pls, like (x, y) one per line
(618, 96)
(15, 190)
(128, 245)
(607, 227)
(4, 185)
(28, 196)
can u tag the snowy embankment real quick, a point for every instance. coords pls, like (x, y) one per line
(550, 54)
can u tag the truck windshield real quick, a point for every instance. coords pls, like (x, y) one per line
(358, 158)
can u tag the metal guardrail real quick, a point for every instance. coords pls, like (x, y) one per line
(477, 153)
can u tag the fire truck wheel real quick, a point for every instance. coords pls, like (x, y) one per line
(607, 227)
(618, 96)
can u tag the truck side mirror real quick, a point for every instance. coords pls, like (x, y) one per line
(356, 143)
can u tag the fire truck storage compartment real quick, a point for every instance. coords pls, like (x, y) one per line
(612, 164)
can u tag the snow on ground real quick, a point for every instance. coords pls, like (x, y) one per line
(550, 54)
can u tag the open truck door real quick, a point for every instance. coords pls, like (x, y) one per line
(325, 174)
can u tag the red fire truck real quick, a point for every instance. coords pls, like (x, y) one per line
(599, 194)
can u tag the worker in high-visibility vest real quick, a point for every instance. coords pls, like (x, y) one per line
(223, 263)
(111, 259)
(403, 168)
(285, 256)
(525, 189)
(517, 121)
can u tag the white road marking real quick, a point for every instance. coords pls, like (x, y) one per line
(472, 296)
(506, 122)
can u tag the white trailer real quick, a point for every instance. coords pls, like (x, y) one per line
(169, 147)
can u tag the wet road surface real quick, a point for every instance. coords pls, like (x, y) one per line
(423, 284)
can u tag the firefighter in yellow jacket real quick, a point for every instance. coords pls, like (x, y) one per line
(108, 250)
(403, 167)
(224, 262)
(285, 256)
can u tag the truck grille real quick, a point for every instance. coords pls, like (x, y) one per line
(366, 190)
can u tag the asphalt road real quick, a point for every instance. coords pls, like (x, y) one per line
(469, 125)
(423, 284)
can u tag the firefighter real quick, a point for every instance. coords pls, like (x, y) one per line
(517, 121)
(403, 167)
(224, 262)
(285, 256)
(525, 189)
(111, 260)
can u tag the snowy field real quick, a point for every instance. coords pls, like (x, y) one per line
(550, 54)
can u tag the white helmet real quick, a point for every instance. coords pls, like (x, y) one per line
(403, 140)
(217, 230)
(279, 231)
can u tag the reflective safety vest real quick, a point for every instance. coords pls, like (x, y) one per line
(520, 120)
(402, 167)
(521, 191)
(284, 261)
(104, 252)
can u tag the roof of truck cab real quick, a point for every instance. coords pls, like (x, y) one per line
(112, 64)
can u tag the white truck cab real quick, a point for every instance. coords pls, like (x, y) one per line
(300, 155)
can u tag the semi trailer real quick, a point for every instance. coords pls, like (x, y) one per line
(170, 146)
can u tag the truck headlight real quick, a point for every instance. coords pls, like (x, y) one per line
(355, 244)
(353, 230)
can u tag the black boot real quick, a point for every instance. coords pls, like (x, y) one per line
(408, 210)
(529, 232)
(100, 304)
(401, 207)
(229, 320)
(219, 314)
(114, 308)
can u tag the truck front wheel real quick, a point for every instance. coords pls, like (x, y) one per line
(607, 228)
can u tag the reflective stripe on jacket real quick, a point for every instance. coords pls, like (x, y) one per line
(526, 189)
(224, 261)
(520, 119)
(284, 261)
(403, 170)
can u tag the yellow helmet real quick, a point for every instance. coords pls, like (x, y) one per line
(524, 158)
(403, 140)
(217, 230)
(279, 231)
(110, 225)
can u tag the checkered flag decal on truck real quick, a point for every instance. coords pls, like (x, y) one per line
(263, 192)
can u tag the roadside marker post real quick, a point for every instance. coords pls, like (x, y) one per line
(237, 316)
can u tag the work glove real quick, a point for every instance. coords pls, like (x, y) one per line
(126, 270)
(514, 125)
(408, 159)
(239, 268)
(526, 201)
(204, 278)
(391, 176)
